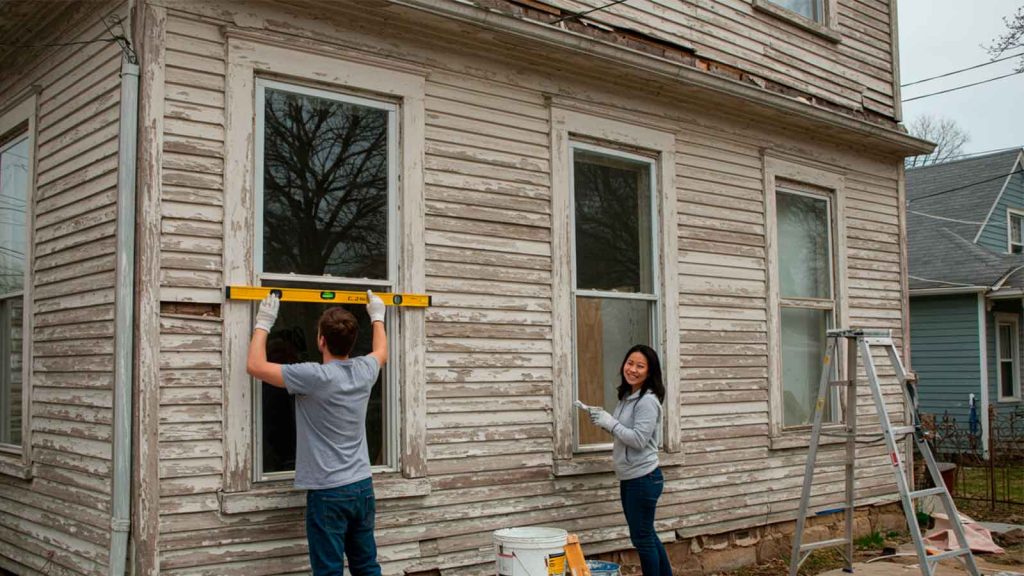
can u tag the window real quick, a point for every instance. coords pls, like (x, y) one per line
(810, 9)
(1015, 237)
(15, 183)
(325, 183)
(615, 297)
(807, 305)
(1008, 354)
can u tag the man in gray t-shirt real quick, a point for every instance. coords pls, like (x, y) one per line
(332, 460)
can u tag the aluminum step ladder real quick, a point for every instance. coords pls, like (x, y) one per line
(862, 341)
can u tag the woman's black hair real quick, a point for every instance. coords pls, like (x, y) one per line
(653, 382)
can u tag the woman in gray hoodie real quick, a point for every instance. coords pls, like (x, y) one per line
(636, 426)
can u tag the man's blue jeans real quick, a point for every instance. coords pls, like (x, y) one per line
(639, 501)
(339, 522)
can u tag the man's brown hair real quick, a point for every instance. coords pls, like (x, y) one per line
(339, 329)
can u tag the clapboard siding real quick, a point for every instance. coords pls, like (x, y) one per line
(489, 368)
(945, 349)
(994, 235)
(60, 521)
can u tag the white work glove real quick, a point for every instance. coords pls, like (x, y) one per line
(267, 314)
(602, 419)
(374, 307)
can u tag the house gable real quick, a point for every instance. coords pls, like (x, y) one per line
(994, 234)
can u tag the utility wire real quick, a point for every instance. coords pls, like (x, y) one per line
(58, 43)
(579, 14)
(964, 86)
(960, 70)
(1003, 177)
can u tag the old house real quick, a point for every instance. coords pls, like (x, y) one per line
(966, 286)
(721, 179)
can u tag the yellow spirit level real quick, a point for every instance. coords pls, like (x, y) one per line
(323, 296)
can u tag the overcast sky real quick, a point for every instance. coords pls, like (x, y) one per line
(939, 36)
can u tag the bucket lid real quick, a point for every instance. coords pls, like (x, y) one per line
(531, 535)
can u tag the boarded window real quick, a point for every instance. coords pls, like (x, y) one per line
(14, 207)
(803, 224)
(615, 298)
(325, 186)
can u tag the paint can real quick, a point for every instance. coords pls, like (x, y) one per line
(601, 568)
(530, 551)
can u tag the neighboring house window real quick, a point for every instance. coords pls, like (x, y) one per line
(325, 218)
(15, 170)
(810, 9)
(806, 298)
(1016, 238)
(1008, 349)
(616, 295)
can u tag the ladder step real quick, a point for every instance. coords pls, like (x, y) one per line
(951, 554)
(823, 544)
(839, 383)
(901, 430)
(928, 492)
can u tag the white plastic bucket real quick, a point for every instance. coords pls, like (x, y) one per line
(530, 551)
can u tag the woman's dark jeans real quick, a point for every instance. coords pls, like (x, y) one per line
(639, 500)
(339, 522)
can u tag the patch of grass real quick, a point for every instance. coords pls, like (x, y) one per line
(973, 482)
(873, 541)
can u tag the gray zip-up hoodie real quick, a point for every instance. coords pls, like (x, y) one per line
(637, 435)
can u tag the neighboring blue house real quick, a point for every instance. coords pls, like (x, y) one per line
(964, 222)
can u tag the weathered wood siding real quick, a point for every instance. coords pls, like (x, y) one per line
(855, 73)
(59, 521)
(489, 376)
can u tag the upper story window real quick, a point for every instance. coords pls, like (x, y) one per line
(1014, 232)
(15, 170)
(325, 212)
(615, 273)
(810, 9)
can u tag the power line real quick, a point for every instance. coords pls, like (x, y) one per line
(964, 86)
(578, 14)
(1004, 176)
(989, 63)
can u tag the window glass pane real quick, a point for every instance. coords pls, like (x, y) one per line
(11, 318)
(809, 9)
(1006, 379)
(292, 340)
(605, 329)
(805, 267)
(613, 223)
(325, 187)
(13, 210)
(1006, 341)
(1015, 222)
(803, 351)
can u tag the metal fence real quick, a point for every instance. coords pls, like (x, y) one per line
(992, 473)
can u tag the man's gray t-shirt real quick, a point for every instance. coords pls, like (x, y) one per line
(330, 420)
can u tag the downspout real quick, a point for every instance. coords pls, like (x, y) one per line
(124, 298)
(983, 355)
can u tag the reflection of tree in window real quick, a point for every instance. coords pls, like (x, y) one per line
(325, 187)
(612, 207)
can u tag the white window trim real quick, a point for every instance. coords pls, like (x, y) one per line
(16, 460)
(778, 167)
(655, 296)
(1014, 320)
(1010, 213)
(258, 54)
(571, 118)
(827, 27)
(392, 370)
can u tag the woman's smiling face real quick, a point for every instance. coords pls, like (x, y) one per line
(635, 370)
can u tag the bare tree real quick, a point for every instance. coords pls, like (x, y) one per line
(949, 139)
(1012, 39)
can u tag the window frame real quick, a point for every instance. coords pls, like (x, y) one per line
(15, 459)
(1001, 319)
(826, 27)
(654, 297)
(259, 54)
(1012, 213)
(392, 370)
(618, 130)
(788, 174)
